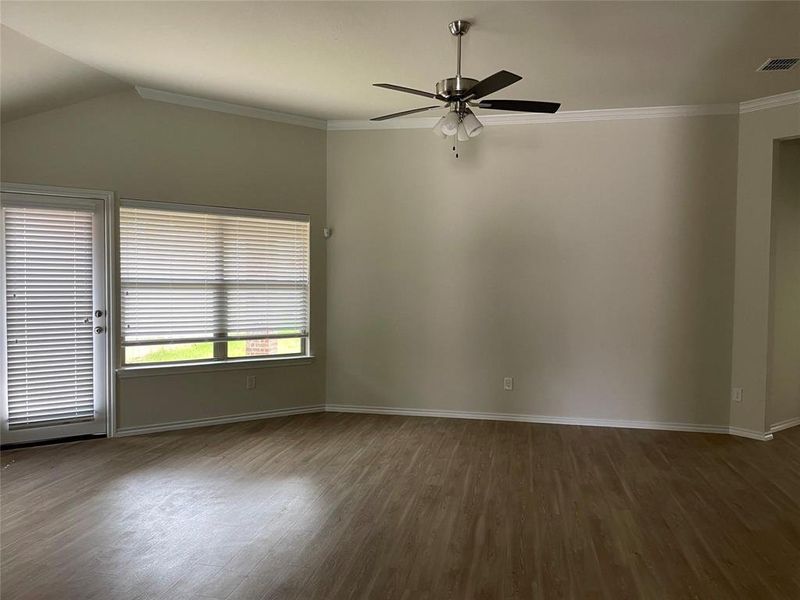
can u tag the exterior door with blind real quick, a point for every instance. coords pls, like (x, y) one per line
(54, 317)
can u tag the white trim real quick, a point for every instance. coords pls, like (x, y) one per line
(567, 116)
(750, 433)
(527, 418)
(191, 423)
(49, 190)
(448, 414)
(785, 424)
(770, 102)
(208, 366)
(112, 312)
(227, 107)
(277, 215)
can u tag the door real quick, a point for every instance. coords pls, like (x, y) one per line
(54, 317)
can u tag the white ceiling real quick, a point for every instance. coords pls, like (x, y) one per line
(319, 59)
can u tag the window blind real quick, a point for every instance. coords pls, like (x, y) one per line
(189, 274)
(49, 280)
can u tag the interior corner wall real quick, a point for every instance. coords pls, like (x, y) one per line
(783, 389)
(592, 262)
(758, 131)
(155, 151)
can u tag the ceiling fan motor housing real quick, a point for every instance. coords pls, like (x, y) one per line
(454, 86)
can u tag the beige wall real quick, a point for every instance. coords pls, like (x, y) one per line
(783, 398)
(757, 134)
(155, 151)
(593, 262)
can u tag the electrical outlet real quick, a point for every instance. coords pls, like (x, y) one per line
(508, 383)
(737, 394)
(250, 382)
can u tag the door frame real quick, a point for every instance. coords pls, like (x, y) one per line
(109, 201)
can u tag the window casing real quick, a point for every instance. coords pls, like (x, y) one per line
(203, 283)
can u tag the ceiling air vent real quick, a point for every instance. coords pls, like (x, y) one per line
(778, 64)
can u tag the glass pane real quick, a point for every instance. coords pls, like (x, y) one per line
(265, 347)
(158, 353)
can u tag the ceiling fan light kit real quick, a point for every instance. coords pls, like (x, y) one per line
(460, 94)
(438, 129)
(450, 123)
(472, 124)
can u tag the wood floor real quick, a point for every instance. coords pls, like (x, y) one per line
(358, 506)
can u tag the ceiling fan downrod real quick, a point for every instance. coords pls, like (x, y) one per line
(459, 29)
(452, 88)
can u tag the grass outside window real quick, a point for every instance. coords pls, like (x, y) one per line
(175, 353)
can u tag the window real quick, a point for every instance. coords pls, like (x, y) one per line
(202, 283)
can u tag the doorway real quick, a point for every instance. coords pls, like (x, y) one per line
(54, 286)
(783, 383)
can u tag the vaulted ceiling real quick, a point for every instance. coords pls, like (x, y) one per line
(319, 59)
(35, 78)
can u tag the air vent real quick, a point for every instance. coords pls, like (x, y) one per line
(778, 64)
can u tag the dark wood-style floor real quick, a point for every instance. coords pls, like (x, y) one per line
(356, 506)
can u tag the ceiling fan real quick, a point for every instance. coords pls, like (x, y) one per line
(461, 94)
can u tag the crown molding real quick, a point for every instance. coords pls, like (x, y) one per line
(227, 107)
(770, 102)
(568, 116)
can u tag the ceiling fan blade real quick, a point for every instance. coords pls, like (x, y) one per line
(531, 106)
(400, 88)
(405, 112)
(492, 84)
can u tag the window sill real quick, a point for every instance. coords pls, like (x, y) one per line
(211, 366)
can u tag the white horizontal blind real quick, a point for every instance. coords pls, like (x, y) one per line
(48, 316)
(189, 275)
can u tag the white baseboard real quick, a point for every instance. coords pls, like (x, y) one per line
(750, 433)
(781, 425)
(527, 418)
(265, 414)
(456, 414)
